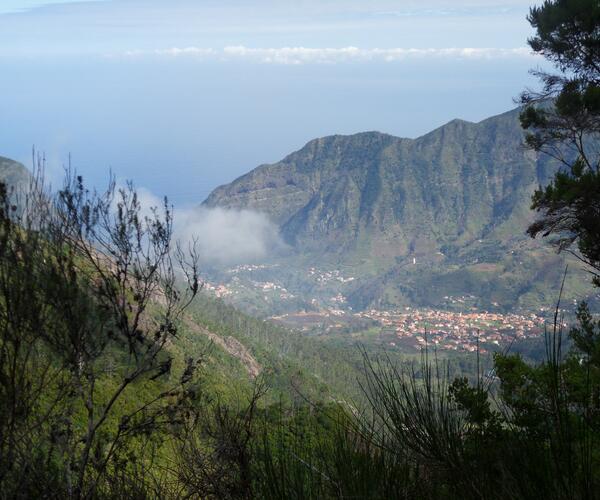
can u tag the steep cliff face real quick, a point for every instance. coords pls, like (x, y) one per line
(457, 184)
(416, 221)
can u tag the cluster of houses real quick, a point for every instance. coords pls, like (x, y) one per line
(454, 330)
(246, 268)
(328, 276)
(220, 291)
(267, 287)
(457, 331)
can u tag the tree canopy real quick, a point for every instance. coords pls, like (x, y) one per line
(563, 121)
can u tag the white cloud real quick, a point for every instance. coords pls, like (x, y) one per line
(172, 52)
(186, 51)
(300, 55)
(295, 55)
(222, 236)
(227, 236)
(327, 55)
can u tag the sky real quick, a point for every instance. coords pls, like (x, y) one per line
(182, 95)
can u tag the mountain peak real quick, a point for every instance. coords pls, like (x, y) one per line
(374, 176)
(385, 202)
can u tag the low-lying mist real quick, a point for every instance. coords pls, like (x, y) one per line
(227, 236)
(223, 236)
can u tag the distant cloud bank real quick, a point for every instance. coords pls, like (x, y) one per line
(306, 55)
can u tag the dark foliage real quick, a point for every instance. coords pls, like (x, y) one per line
(564, 122)
(88, 303)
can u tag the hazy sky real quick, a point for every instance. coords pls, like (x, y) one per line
(184, 95)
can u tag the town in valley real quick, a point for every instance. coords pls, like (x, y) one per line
(408, 328)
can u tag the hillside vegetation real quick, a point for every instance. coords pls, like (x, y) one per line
(415, 221)
(120, 379)
(117, 381)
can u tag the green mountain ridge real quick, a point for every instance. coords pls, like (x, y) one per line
(458, 182)
(417, 220)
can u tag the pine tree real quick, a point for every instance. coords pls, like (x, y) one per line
(563, 121)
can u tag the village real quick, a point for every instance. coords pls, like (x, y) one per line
(243, 277)
(456, 331)
(413, 328)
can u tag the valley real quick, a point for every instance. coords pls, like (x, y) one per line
(402, 301)
(324, 312)
(376, 221)
(411, 330)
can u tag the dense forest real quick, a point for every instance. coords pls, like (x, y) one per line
(120, 379)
